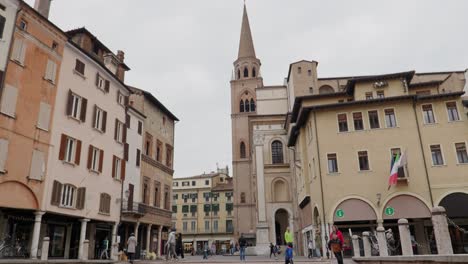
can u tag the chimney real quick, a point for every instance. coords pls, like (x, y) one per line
(120, 68)
(43, 7)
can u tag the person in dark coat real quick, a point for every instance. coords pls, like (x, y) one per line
(179, 246)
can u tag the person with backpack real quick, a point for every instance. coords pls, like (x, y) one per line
(273, 250)
(242, 245)
(288, 255)
(336, 246)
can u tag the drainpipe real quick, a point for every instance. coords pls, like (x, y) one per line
(422, 151)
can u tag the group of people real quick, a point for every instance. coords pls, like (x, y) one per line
(335, 245)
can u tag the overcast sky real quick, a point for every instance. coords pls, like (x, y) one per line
(182, 51)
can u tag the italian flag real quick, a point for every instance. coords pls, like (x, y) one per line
(398, 162)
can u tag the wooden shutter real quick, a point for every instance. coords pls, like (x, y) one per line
(126, 100)
(94, 117)
(78, 152)
(56, 193)
(80, 199)
(140, 127)
(90, 156)
(127, 120)
(97, 79)
(107, 86)
(101, 203)
(63, 147)
(122, 169)
(104, 121)
(113, 166)
(101, 159)
(69, 103)
(130, 197)
(84, 103)
(126, 151)
(138, 154)
(115, 128)
(124, 132)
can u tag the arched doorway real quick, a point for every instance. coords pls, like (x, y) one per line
(281, 223)
(455, 205)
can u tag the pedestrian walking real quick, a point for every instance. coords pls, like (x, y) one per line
(232, 247)
(242, 244)
(180, 246)
(288, 236)
(310, 246)
(105, 248)
(273, 250)
(288, 255)
(171, 245)
(205, 251)
(131, 247)
(336, 246)
(318, 245)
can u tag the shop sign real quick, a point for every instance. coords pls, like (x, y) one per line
(339, 213)
(389, 211)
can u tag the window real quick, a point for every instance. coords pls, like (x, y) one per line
(374, 119)
(369, 96)
(207, 182)
(121, 99)
(207, 225)
(332, 163)
(462, 154)
(101, 83)
(299, 70)
(242, 197)
(54, 45)
(184, 226)
(246, 73)
(70, 149)
(390, 120)
(23, 25)
(254, 72)
(242, 150)
(138, 157)
(423, 92)
(95, 159)
(229, 226)
(3, 154)
(19, 51)
(241, 106)
(428, 114)
(185, 183)
(104, 204)
(79, 67)
(37, 171)
(363, 161)
(452, 111)
(193, 226)
(76, 106)
(148, 144)
(174, 209)
(157, 194)
(252, 105)
(215, 225)
(357, 119)
(175, 184)
(436, 154)
(145, 193)
(159, 151)
(167, 201)
(380, 94)
(140, 127)
(238, 74)
(401, 170)
(44, 116)
(342, 122)
(68, 196)
(51, 71)
(247, 105)
(8, 102)
(277, 152)
(168, 156)
(120, 130)
(118, 168)
(309, 72)
(2, 25)
(193, 183)
(100, 119)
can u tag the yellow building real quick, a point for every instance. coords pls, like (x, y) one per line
(203, 211)
(345, 132)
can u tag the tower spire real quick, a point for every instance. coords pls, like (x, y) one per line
(246, 47)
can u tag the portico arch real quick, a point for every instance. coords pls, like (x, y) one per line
(17, 195)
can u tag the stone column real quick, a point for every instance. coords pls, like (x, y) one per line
(356, 249)
(382, 241)
(263, 234)
(36, 232)
(81, 245)
(137, 225)
(85, 249)
(366, 243)
(405, 237)
(324, 241)
(441, 231)
(114, 246)
(45, 248)
(148, 238)
(159, 240)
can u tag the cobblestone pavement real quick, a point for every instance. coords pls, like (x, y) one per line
(249, 259)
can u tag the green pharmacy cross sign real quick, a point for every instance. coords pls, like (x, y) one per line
(339, 213)
(389, 211)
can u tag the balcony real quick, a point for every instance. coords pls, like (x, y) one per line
(133, 209)
(156, 211)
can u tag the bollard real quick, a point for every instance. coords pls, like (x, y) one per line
(405, 237)
(382, 241)
(356, 249)
(441, 231)
(85, 249)
(45, 248)
(367, 245)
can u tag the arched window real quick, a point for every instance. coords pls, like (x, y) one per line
(246, 72)
(254, 72)
(242, 197)
(252, 105)
(326, 89)
(238, 74)
(277, 152)
(242, 150)
(247, 107)
(241, 107)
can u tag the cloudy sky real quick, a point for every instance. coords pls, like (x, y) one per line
(182, 50)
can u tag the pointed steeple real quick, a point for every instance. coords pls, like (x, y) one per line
(246, 46)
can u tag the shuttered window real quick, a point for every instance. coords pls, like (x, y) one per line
(8, 103)
(120, 132)
(19, 51)
(68, 197)
(70, 150)
(2, 25)
(118, 168)
(95, 158)
(76, 106)
(51, 71)
(138, 155)
(104, 203)
(38, 166)
(99, 119)
(3, 154)
(44, 116)
(79, 67)
(140, 127)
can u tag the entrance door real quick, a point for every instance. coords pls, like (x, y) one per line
(281, 223)
(57, 234)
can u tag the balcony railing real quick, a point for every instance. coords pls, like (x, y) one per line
(133, 208)
(156, 211)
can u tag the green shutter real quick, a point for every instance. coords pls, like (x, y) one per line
(193, 208)
(215, 207)
(229, 206)
(206, 208)
(185, 208)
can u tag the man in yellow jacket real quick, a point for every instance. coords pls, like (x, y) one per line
(288, 236)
